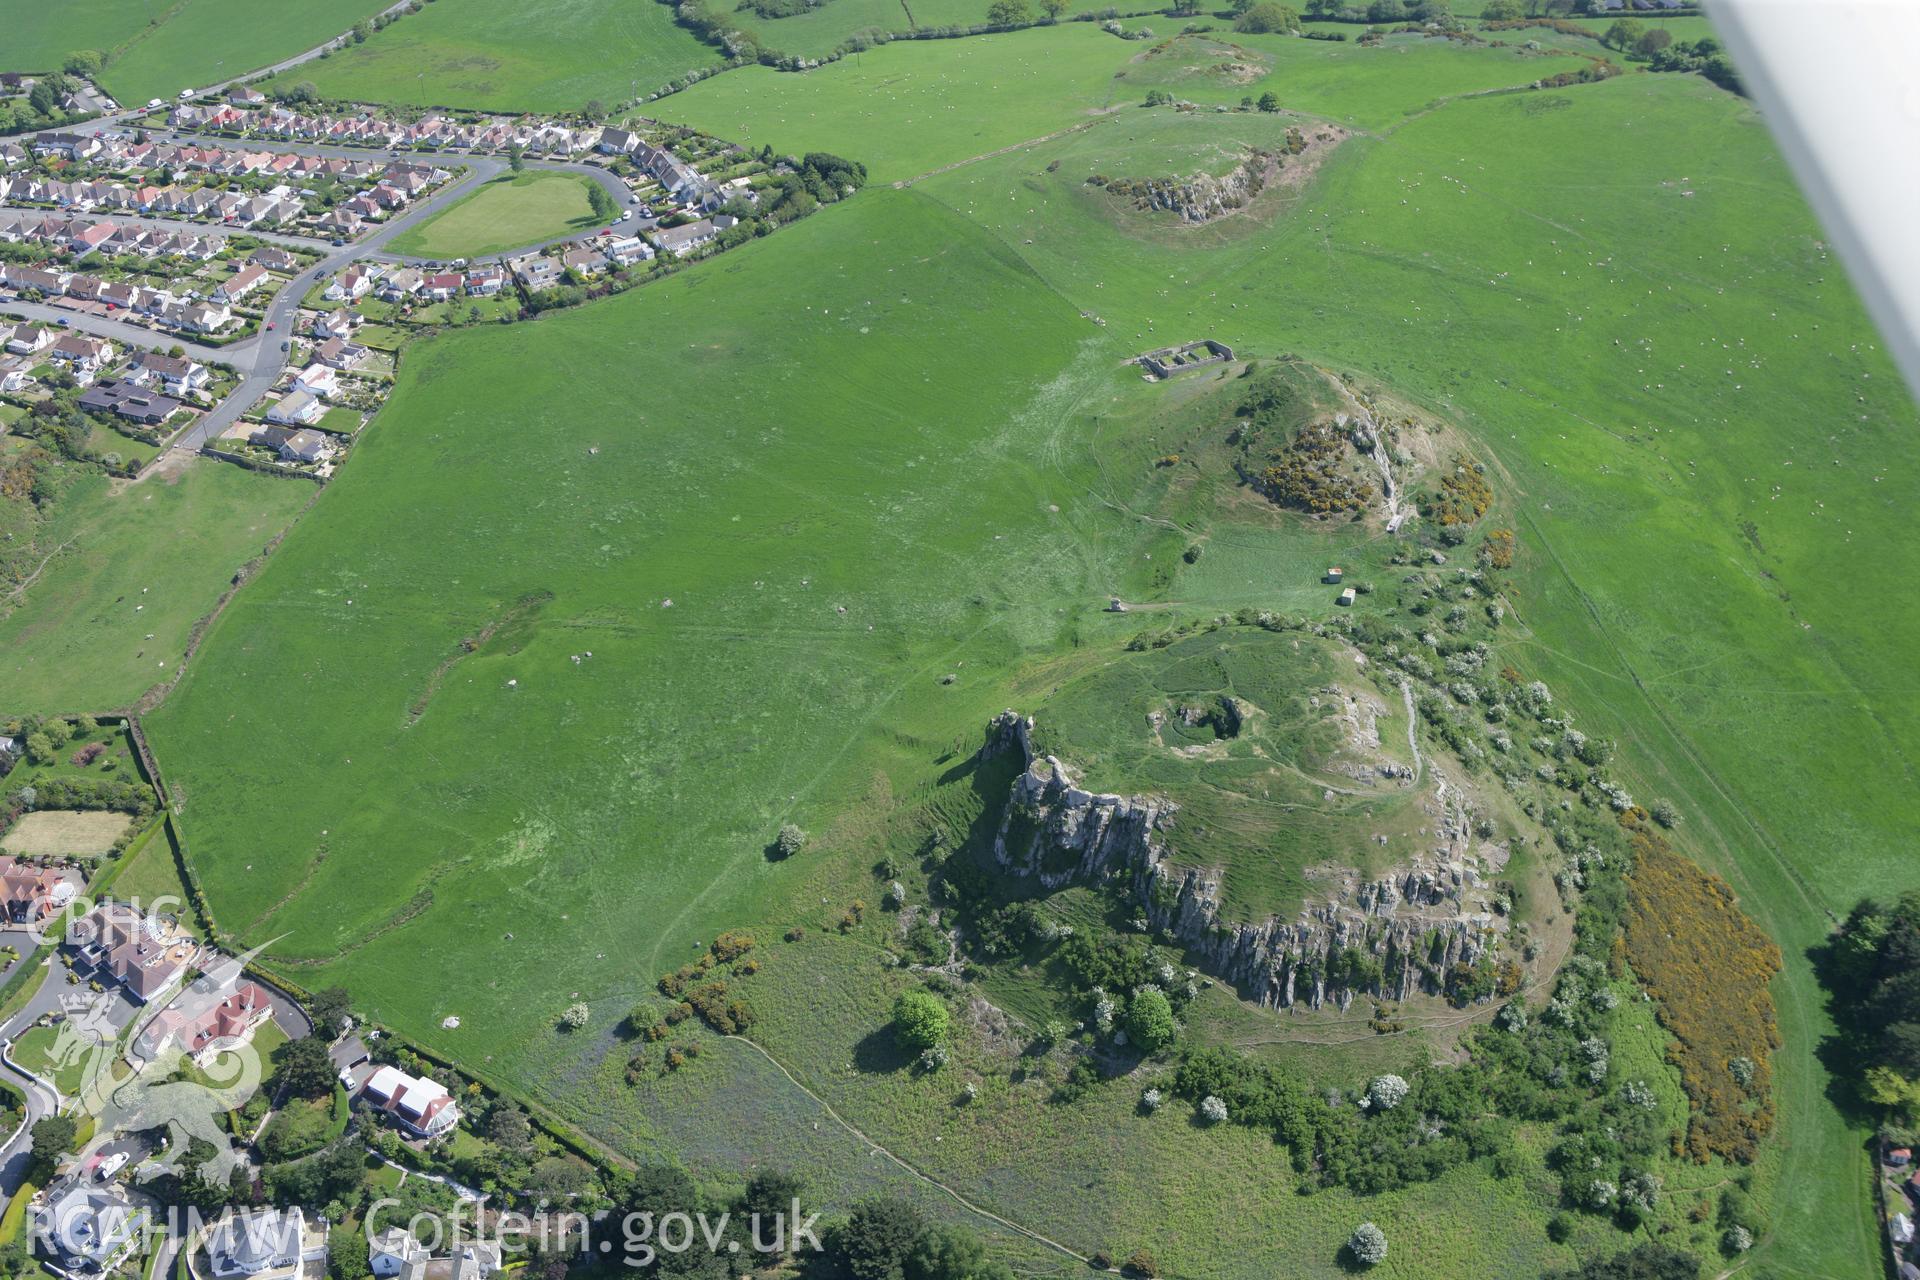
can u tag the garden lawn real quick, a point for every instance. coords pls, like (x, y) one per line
(509, 212)
(33, 1050)
(64, 833)
(515, 55)
(111, 613)
(151, 877)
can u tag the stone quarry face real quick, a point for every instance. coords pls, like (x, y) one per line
(1435, 911)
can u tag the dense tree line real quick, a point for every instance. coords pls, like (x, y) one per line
(1872, 970)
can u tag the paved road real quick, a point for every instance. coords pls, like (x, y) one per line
(260, 360)
(17, 1155)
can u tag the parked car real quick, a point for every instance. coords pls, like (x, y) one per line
(286, 344)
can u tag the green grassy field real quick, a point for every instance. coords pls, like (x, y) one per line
(112, 612)
(1677, 592)
(821, 30)
(609, 596)
(507, 213)
(194, 43)
(762, 500)
(549, 55)
(916, 105)
(40, 36)
(912, 107)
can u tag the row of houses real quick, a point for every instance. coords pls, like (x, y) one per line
(90, 235)
(436, 132)
(249, 209)
(185, 314)
(124, 153)
(373, 279)
(149, 390)
(680, 179)
(586, 257)
(82, 356)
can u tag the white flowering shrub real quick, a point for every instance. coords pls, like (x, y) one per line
(576, 1016)
(1512, 1017)
(1742, 1070)
(1605, 1000)
(1601, 1194)
(934, 1057)
(1150, 1100)
(1737, 1240)
(1368, 1245)
(1212, 1109)
(1386, 1092)
(897, 893)
(1640, 1094)
(1642, 1191)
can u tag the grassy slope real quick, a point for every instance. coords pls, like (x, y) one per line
(207, 42)
(40, 36)
(914, 106)
(168, 544)
(1364, 88)
(1520, 254)
(819, 31)
(509, 211)
(761, 476)
(515, 55)
(1649, 393)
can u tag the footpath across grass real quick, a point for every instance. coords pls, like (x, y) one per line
(507, 213)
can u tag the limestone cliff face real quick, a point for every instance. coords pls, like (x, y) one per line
(1418, 921)
(1200, 198)
(1205, 197)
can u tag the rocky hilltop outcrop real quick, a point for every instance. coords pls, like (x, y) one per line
(1391, 937)
(1202, 197)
